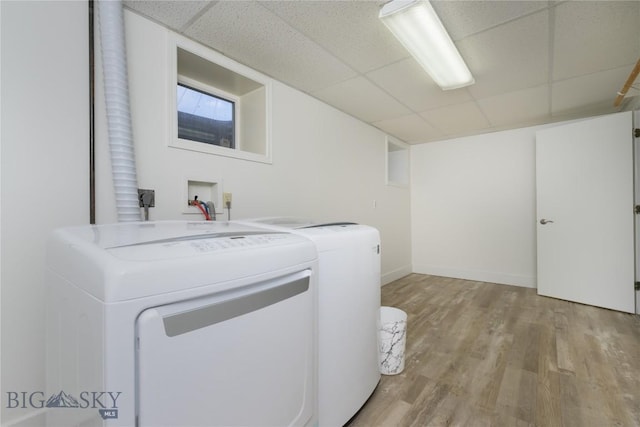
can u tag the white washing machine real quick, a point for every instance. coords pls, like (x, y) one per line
(348, 312)
(181, 324)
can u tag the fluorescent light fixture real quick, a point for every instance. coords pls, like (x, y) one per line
(416, 25)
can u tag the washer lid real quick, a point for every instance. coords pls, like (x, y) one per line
(294, 223)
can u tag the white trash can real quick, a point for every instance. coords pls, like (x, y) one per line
(392, 338)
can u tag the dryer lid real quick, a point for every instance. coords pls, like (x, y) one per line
(108, 236)
(124, 261)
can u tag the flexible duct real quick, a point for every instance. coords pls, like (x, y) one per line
(116, 92)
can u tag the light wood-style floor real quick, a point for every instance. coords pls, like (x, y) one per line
(481, 354)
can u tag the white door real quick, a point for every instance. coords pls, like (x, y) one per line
(244, 357)
(585, 219)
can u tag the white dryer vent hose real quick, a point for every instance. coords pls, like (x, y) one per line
(116, 92)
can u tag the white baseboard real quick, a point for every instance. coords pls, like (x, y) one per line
(481, 276)
(396, 274)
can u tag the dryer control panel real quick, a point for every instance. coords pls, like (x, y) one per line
(199, 244)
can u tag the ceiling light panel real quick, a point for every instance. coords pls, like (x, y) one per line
(417, 26)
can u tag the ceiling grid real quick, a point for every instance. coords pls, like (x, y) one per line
(534, 62)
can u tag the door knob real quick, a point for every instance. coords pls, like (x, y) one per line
(545, 221)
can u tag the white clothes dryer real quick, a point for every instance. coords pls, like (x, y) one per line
(348, 312)
(177, 323)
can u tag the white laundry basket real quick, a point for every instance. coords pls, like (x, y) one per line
(392, 340)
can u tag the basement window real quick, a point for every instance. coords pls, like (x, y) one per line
(397, 163)
(205, 117)
(217, 106)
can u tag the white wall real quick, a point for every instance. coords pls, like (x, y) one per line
(326, 164)
(44, 173)
(473, 207)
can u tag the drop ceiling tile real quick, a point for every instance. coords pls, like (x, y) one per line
(412, 129)
(254, 36)
(585, 92)
(519, 107)
(174, 14)
(320, 47)
(362, 99)
(510, 57)
(457, 119)
(464, 18)
(350, 30)
(594, 36)
(409, 83)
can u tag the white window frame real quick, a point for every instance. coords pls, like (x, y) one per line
(402, 147)
(176, 42)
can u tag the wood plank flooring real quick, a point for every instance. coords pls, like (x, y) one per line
(481, 354)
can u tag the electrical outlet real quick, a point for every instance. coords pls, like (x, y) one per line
(226, 199)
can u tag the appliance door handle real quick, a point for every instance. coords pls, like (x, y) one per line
(219, 311)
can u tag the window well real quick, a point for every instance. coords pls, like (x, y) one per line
(204, 117)
(218, 106)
